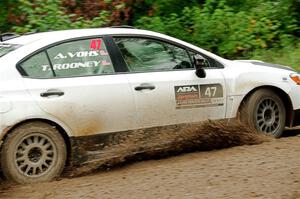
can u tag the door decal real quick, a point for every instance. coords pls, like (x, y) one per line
(193, 96)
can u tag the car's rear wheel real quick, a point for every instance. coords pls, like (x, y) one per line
(265, 111)
(33, 152)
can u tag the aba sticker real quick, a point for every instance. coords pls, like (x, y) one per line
(184, 93)
(192, 96)
(186, 89)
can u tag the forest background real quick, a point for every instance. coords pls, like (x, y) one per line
(267, 30)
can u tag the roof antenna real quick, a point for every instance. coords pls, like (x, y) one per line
(8, 36)
(122, 26)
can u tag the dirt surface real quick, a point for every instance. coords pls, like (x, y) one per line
(267, 170)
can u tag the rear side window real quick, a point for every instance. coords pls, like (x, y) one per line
(70, 59)
(37, 66)
(6, 48)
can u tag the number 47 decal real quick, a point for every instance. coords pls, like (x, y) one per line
(211, 91)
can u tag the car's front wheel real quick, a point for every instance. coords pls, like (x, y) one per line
(265, 111)
(33, 152)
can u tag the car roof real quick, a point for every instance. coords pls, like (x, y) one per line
(65, 34)
(55, 36)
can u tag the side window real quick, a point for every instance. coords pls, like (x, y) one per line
(144, 55)
(71, 59)
(80, 58)
(37, 66)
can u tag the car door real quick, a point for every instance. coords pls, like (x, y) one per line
(164, 84)
(75, 82)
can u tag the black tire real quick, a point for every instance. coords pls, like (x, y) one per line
(33, 152)
(264, 111)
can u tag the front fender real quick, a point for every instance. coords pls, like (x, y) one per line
(242, 84)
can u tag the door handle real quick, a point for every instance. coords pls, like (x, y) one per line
(51, 92)
(144, 87)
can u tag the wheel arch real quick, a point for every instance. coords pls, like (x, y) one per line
(283, 96)
(60, 129)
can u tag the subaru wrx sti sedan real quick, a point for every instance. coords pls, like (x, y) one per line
(64, 89)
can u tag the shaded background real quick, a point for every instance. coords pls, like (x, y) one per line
(268, 30)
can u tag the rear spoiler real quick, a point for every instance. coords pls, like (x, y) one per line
(8, 36)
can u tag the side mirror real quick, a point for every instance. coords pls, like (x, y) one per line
(199, 62)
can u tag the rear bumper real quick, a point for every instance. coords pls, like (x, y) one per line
(296, 118)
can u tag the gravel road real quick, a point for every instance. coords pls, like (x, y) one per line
(268, 170)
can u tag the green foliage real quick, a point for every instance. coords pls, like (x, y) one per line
(163, 7)
(6, 6)
(289, 55)
(236, 29)
(219, 27)
(45, 15)
(3, 15)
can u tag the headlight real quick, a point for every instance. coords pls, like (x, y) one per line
(295, 77)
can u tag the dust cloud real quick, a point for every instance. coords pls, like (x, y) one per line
(166, 141)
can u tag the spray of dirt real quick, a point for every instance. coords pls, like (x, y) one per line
(171, 140)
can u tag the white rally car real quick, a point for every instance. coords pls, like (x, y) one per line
(63, 92)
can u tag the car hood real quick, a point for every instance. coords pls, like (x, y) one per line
(261, 63)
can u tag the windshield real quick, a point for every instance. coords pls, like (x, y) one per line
(6, 48)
